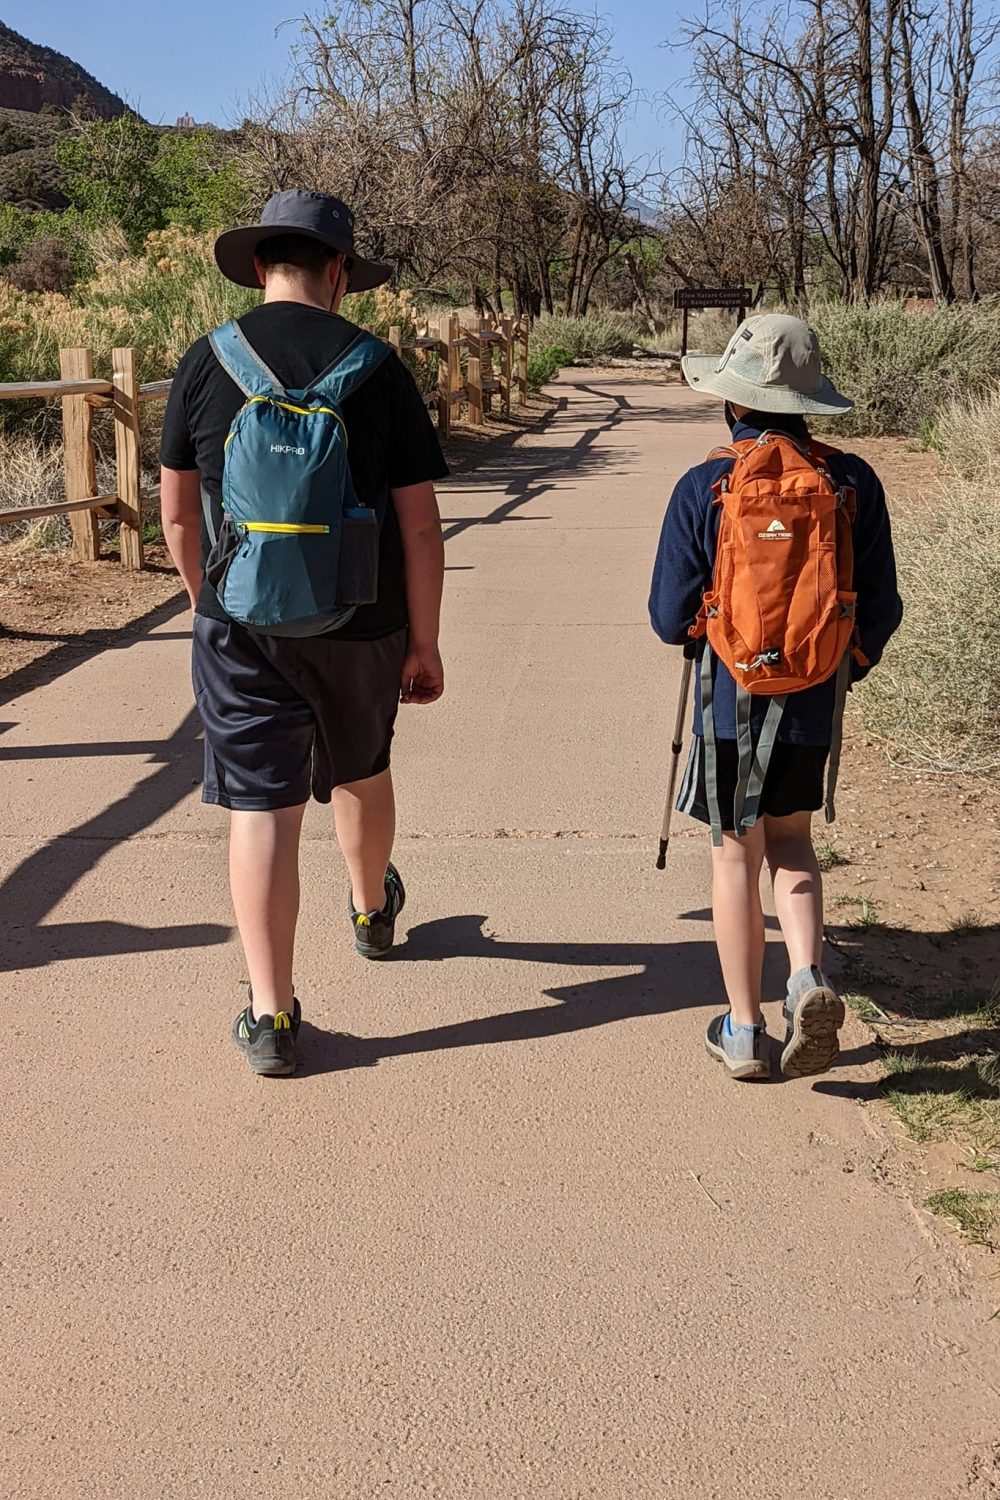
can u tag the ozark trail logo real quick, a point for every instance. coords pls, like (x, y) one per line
(776, 532)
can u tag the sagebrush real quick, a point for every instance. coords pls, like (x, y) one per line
(900, 366)
(599, 335)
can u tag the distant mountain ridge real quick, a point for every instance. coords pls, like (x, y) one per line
(32, 76)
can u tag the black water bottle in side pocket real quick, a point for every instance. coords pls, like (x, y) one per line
(223, 550)
(358, 573)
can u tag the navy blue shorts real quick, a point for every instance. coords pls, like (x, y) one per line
(795, 781)
(285, 718)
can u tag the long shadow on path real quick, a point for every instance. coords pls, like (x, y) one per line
(49, 873)
(69, 651)
(527, 473)
(670, 977)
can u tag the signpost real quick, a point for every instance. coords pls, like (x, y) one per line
(737, 297)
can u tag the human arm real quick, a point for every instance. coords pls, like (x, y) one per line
(682, 570)
(423, 555)
(180, 513)
(879, 608)
(180, 480)
(416, 461)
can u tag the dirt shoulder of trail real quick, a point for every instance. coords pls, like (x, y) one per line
(54, 610)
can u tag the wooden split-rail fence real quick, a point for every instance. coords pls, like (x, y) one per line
(492, 375)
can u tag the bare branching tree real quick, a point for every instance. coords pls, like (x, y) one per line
(834, 142)
(479, 140)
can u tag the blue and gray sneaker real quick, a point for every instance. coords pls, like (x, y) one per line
(814, 1014)
(742, 1050)
(375, 931)
(269, 1042)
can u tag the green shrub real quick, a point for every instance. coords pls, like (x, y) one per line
(109, 170)
(544, 365)
(901, 367)
(600, 335)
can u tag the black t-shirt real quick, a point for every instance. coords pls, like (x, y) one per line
(392, 442)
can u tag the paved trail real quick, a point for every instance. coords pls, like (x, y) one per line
(510, 1234)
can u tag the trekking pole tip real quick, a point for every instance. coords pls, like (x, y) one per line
(661, 858)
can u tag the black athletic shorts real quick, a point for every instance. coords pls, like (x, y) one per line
(284, 718)
(795, 781)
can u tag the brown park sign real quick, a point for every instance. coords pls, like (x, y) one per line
(686, 299)
(726, 296)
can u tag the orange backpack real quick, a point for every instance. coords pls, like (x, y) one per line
(780, 612)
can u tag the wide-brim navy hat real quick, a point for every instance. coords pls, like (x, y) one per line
(315, 216)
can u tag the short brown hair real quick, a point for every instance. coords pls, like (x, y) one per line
(295, 250)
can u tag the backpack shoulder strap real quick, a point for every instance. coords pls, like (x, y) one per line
(349, 371)
(242, 363)
(735, 451)
(732, 450)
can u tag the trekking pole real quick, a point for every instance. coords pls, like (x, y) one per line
(690, 651)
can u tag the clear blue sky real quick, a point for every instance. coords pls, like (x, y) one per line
(202, 57)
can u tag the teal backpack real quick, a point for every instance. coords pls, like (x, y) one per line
(297, 552)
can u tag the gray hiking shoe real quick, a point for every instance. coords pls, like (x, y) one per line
(268, 1044)
(375, 932)
(742, 1051)
(814, 1014)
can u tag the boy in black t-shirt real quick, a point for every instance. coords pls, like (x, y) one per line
(285, 717)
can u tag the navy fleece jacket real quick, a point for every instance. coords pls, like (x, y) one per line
(686, 559)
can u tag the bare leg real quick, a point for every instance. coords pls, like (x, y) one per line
(365, 814)
(264, 876)
(739, 921)
(798, 887)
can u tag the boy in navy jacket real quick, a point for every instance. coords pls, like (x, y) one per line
(770, 378)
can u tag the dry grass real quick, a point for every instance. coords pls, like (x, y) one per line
(31, 473)
(976, 1215)
(935, 699)
(967, 436)
(942, 1076)
(157, 303)
(955, 1099)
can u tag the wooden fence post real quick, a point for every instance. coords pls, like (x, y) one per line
(522, 361)
(475, 378)
(79, 458)
(396, 338)
(455, 363)
(486, 348)
(445, 334)
(506, 363)
(128, 457)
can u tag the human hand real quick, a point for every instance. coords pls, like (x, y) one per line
(423, 675)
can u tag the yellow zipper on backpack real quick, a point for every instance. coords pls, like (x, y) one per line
(300, 411)
(286, 528)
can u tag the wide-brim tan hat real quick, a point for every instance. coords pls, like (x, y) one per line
(315, 216)
(772, 363)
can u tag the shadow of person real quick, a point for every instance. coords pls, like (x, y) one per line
(934, 1002)
(35, 886)
(666, 977)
